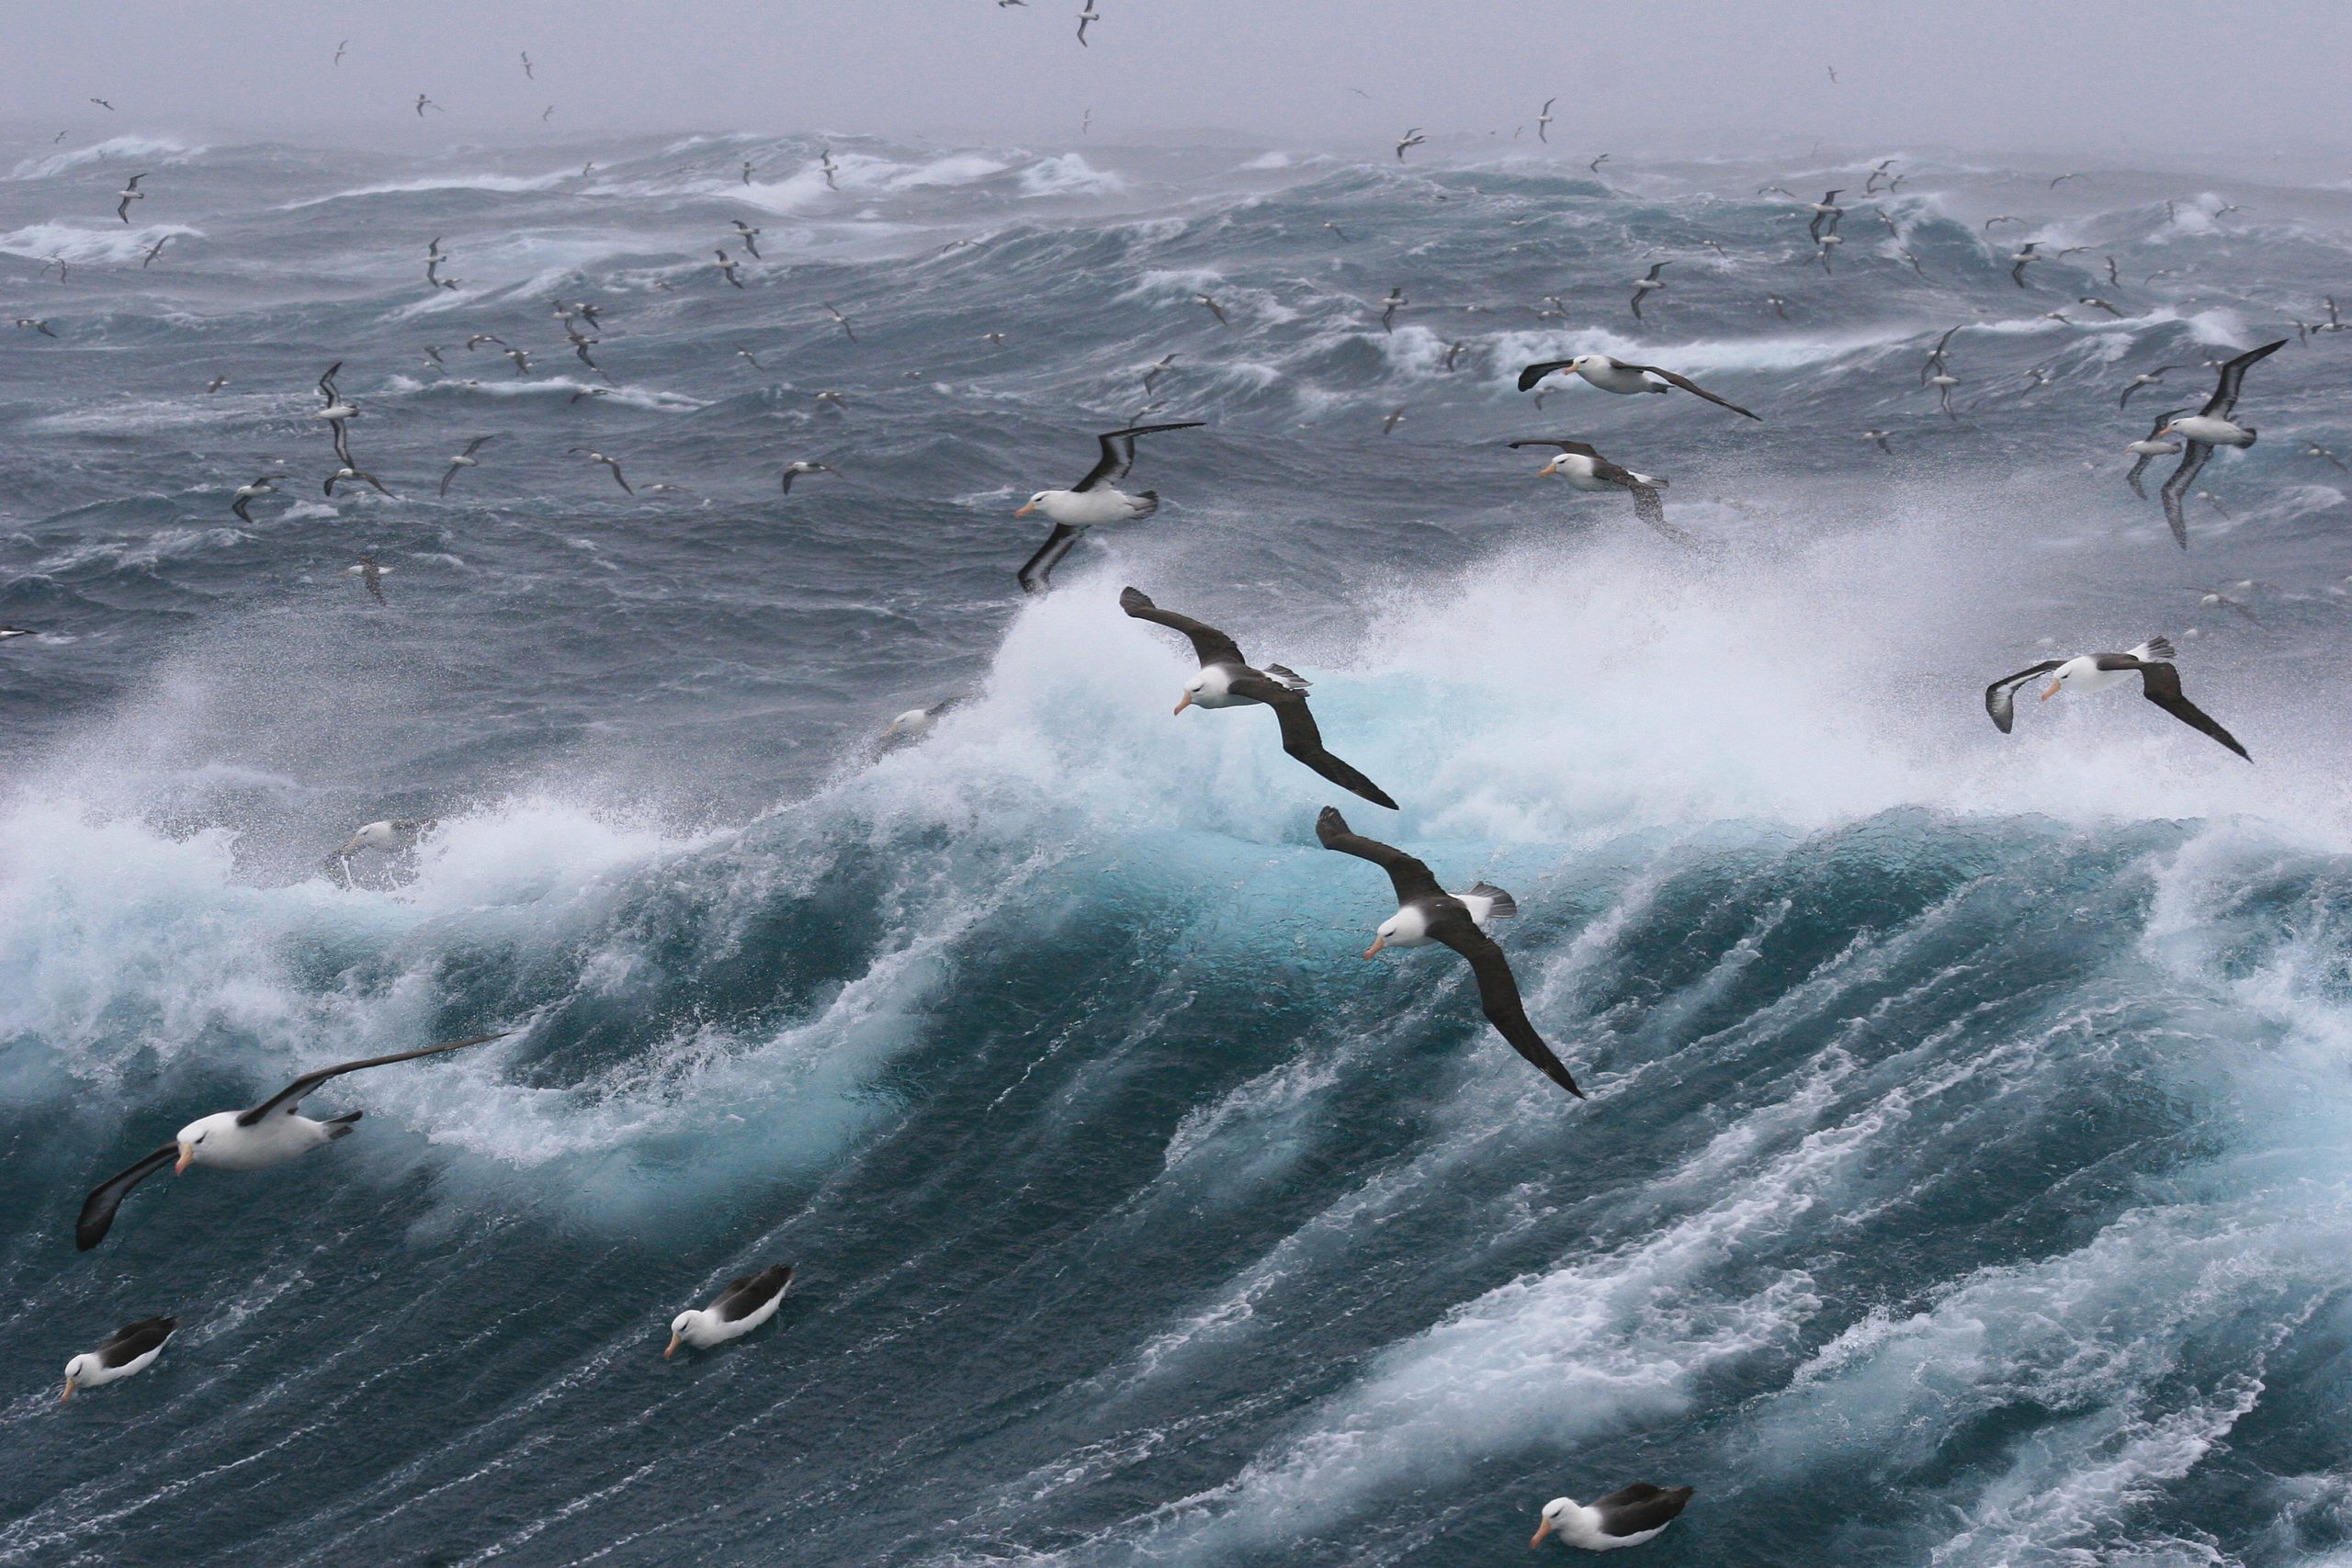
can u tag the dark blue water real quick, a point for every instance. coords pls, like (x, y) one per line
(1964, 1179)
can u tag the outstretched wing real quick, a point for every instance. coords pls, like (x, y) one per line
(97, 1209)
(1690, 386)
(1533, 373)
(2193, 457)
(1498, 994)
(1038, 571)
(2000, 697)
(1409, 877)
(1578, 447)
(1302, 740)
(2232, 376)
(292, 1094)
(1210, 645)
(2160, 684)
(326, 385)
(1651, 509)
(1119, 452)
(2131, 475)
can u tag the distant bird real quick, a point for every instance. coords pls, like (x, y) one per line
(217, 383)
(747, 357)
(747, 171)
(465, 459)
(1779, 306)
(1543, 121)
(751, 238)
(479, 338)
(1595, 164)
(1155, 372)
(1624, 1518)
(1412, 138)
(1936, 354)
(798, 467)
(1645, 284)
(2112, 277)
(743, 1306)
(2020, 259)
(1427, 913)
(1824, 212)
(269, 1134)
(1214, 308)
(2313, 449)
(338, 53)
(522, 358)
(1943, 381)
(387, 836)
(2096, 303)
(349, 475)
(1227, 680)
(36, 324)
(2003, 217)
(1085, 16)
(527, 66)
(2145, 379)
(1619, 375)
(1879, 437)
(840, 320)
(153, 251)
(371, 572)
(2210, 426)
(424, 103)
(1453, 351)
(247, 494)
(1337, 229)
(104, 105)
(726, 270)
(2223, 599)
(1389, 307)
(2151, 661)
(1586, 470)
(1878, 173)
(832, 400)
(1396, 417)
(8, 631)
(2062, 179)
(1092, 501)
(129, 193)
(1904, 252)
(825, 162)
(1829, 243)
(338, 412)
(1833, 74)
(595, 456)
(133, 1348)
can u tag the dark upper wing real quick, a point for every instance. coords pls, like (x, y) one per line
(1408, 875)
(342, 442)
(2225, 386)
(1212, 646)
(1651, 509)
(291, 1095)
(2160, 684)
(1498, 994)
(1639, 1507)
(326, 385)
(1690, 386)
(2192, 458)
(1038, 571)
(1578, 447)
(745, 1296)
(97, 1209)
(1537, 371)
(2131, 475)
(1302, 740)
(448, 477)
(1119, 452)
(2000, 697)
(134, 1340)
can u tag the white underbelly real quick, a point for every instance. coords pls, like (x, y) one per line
(1617, 379)
(2213, 432)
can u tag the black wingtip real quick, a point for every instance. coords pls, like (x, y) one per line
(1329, 824)
(1134, 599)
(1379, 796)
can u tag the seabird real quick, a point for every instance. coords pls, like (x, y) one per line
(465, 459)
(794, 469)
(1412, 138)
(1337, 229)
(1453, 351)
(747, 171)
(595, 456)
(2159, 682)
(1389, 307)
(1543, 121)
(1620, 376)
(269, 1134)
(840, 320)
(2313, 449)
(1153, 372)
(1878, 173)
(2003, 217)
(832, 400)
(743, 1305)
(479, 338)
(152, 252)
(2149, 447)
(1829, 242)
(914, 724)
(216, 383)
(2221, 598)
(2145, 379)
(1645, 284)
(1427, 913)
(1092, 502)
(522, 358)
(424, 103)
(1824, 211)
(1879, 437)
(338, 53)
(336, 412)
(527, 66)
(1586, 470)
(371, 572)
(39, 325)
(104, 105)
(1089, 14)
(349, 475)
(2096, 303)
(1936, 356)
(7, 632)
(2208, 427)
(1779, 306)
(246, 493)
(130, 1349)
(1943, 381)
(1394, 418)
(726, 270)
(1626, 1518)
(1226, 680)
(130, 192)
(749, 236)
(1209, 304)
(2020, 260)
(1595, 164)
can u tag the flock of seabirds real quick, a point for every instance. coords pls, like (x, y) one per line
(274, 1131)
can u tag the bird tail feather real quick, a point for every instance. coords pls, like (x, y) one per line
(2155, 647)
(1504, 906)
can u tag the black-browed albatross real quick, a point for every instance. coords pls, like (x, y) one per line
(1612, 374)
(1586, 470)
(2208, 427)
(745, 1304)
(1627, 1516)
(269, 1134)
(1227, 680)
(130, 1348)
(1426, 912)
(1092, 502)
(2159, 682)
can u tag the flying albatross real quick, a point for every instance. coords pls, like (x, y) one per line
(1626, 1518)
(1227, 680)
(1621, 377)
(1586, 470)
(131, 1348)
(1092, 502)
(2150, 447)
(743, 1305)
(1646, 284)
(2159, 682)
(270, 1133)
(1427, 913)
(2208, 427)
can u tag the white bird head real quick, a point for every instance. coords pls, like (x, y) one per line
(1553, 468)
(1555, 1514)
(1192, 690)
(77, 1369)
(2081, 664)
(192, 1137)
(1033, 502)
(678, 1327)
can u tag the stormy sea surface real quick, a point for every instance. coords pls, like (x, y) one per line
(1965, 1178)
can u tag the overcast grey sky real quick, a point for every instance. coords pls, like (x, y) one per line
(2151, 77)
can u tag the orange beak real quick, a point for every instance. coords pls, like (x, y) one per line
(1182, 702)
(2055, 686)
(1377, 943)
(1543, 1529)
(188, 1158)
(68, 1393)
(673, 1346)
(1026, 510)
